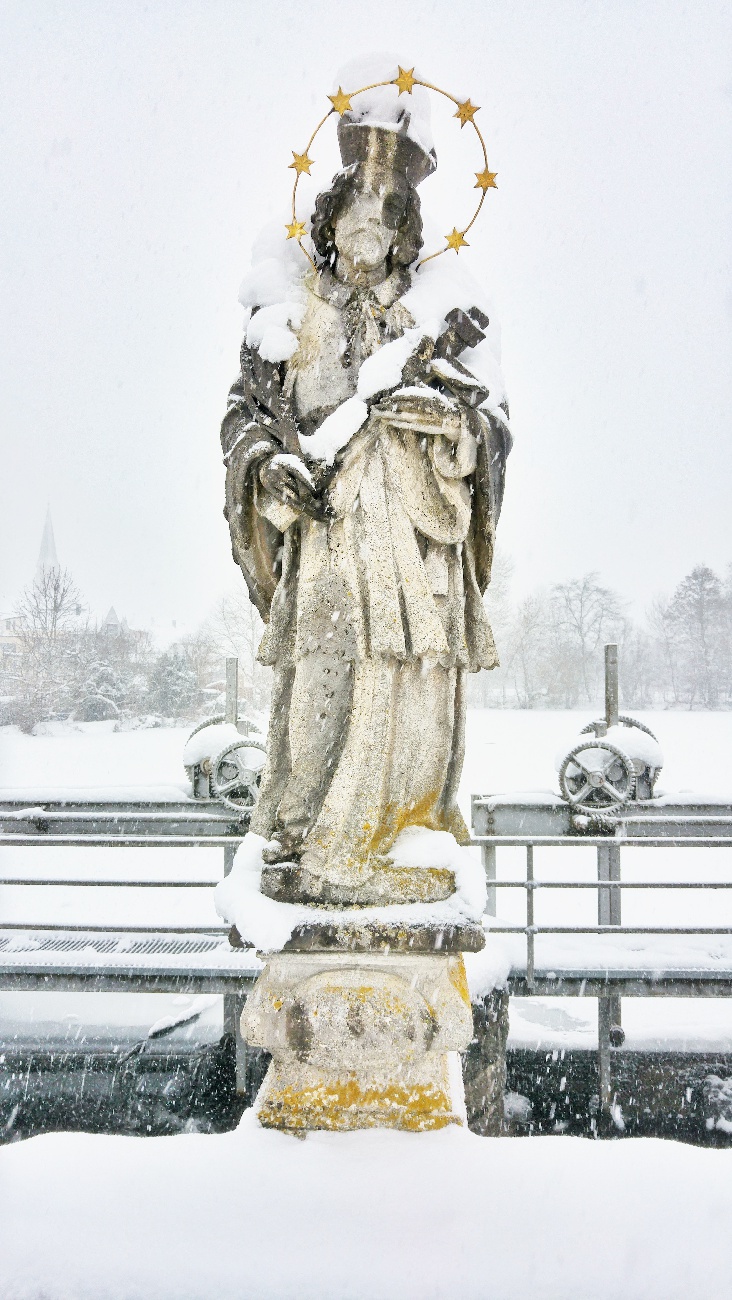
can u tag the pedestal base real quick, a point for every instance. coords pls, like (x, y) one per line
(359, 1040)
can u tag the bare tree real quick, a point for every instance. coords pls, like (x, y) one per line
(584, 616)
(50, 608)
(486, 688)
(235, 628)
(525, 662)
(51, 617)
(695, 631)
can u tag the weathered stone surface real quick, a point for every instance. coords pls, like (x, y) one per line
(386, 937)
(367, 559)
(378, 937)
(484, 1065)
(290, 883)
(365, 469)
(358, 1041)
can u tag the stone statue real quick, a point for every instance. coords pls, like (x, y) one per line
(365, 464)
(368, 565)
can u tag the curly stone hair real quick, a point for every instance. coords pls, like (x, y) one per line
(408, 231)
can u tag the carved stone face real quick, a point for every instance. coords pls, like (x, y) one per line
(365, 228)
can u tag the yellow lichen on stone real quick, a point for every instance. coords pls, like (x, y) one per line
(346, 1104)
(458, 978)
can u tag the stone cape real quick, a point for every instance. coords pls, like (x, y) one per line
(374, 614)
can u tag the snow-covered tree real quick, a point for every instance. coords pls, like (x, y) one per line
(693, 629)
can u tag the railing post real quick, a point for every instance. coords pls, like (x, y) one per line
(530, 937)
(483, 825)
(233, 1007)
(609, 1008)
(234, 1002)
(489, 866)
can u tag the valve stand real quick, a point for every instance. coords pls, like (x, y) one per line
(614, 763)
(222, 761)
(618, 766)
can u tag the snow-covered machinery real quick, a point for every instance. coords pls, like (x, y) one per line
(616, 759)
(221, 759)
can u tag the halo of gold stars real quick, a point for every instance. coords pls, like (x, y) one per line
(405, 81)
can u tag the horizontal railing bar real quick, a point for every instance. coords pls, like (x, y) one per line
(599, 841)
(99, 815)
(616, 931)
(112, 884)
(606, 884)
(120, 841)
(680, 819)
(82, 840)
(112, 929)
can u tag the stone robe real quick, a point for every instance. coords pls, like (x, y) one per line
(374, 615)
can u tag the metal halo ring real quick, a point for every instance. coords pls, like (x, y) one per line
(296, 230)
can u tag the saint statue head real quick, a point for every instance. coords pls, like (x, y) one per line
(369, 223)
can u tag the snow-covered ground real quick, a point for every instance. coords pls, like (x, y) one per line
(257, 1215)
(507, 750)
(373, 1214)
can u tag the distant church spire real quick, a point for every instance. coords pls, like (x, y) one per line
(47, 558)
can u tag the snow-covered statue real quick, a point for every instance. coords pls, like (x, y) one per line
(365, 442)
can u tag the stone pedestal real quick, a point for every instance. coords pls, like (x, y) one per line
(360, 1039)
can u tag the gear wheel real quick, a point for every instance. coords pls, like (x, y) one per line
(234, 779)
(624, 721)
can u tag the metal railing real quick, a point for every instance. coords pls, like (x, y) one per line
(531, 824)
(88, 825)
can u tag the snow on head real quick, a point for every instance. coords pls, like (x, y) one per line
(384, 106)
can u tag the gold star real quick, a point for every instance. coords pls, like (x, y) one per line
(466, 112)
(456, 240)
(302, 163)
(341, 102)
(486, 181)
(405, 80)
(295, 230)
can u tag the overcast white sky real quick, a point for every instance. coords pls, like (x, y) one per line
(144, 144)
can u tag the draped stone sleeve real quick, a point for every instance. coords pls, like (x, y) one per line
(258, 424)
(493, 439)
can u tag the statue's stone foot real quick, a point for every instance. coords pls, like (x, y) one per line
(291, 882)
(359, 1040)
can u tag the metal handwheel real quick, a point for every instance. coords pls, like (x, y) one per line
(597, 782)
(234, 778)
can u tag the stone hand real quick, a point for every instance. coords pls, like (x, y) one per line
(424, 411)
(288, 479)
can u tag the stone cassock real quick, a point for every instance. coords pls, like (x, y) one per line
(369, 573)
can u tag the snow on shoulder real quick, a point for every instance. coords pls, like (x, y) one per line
(274, 292)
(267, 925)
